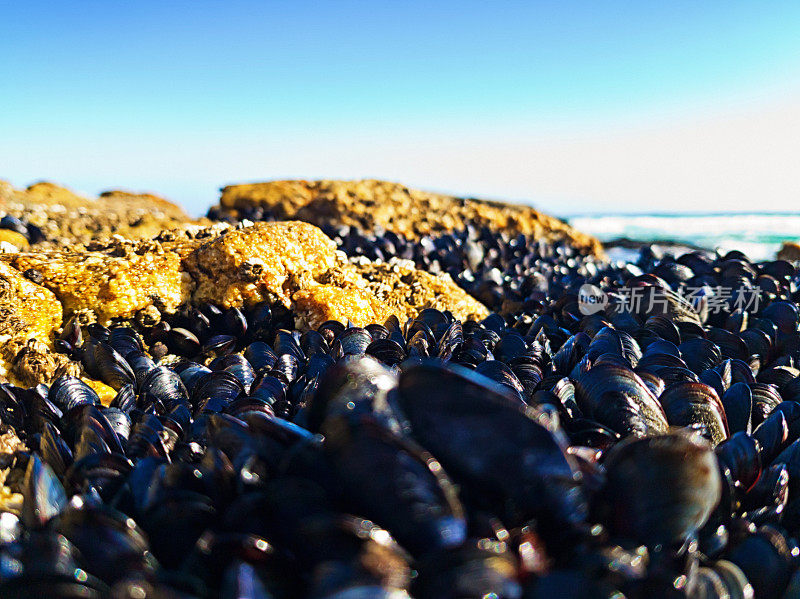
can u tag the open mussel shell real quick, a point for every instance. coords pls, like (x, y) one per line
(660, 489)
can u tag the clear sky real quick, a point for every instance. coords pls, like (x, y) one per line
(574, 106)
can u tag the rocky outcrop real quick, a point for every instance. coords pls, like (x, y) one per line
(60, 217)
(789, 251)
(29, 314)
(369, 204)
(292, 263)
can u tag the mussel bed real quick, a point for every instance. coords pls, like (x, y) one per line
(558, 449)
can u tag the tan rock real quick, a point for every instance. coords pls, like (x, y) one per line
(409, 212)
(789, 251)
(27, 311)
(66, 218)
(293, 263)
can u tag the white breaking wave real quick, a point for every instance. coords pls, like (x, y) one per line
(757, 235)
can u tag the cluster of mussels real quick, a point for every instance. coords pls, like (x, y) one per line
(620, 449)
(500, 270)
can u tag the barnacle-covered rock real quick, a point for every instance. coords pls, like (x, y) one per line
(27, 311)
(293, 263)
(394, 207)
(62, 217)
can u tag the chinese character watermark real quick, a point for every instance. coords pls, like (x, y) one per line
(592, 299)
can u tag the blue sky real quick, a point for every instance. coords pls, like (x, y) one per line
(574, 106)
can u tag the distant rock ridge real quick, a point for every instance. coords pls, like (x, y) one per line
(368, 204)
(61, 217)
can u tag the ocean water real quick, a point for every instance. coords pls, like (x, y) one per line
(759, 235)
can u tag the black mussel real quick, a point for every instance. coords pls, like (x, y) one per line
(68, 392)
(219, 345)
(260, 355)
(183, 342)
(387, 351)
(619, 399)
(43, 494)
(355, 385)
(98, 331)
(191, 374)
(13, 411)
(287, 343)
(163, 386)
(312, 343)
(353, 341)
(611, 341)
(700, 354)
(235, 322)
(393, 483)
(215, 391)
(738, 404)
(141, 364)
(110, 543)
(687, 404)
(125, 340)
(765, 398)
(783, 314)
(269, 389)
(54, 450)
(501, 373)
(286, 367)
(766, 560)
(488, 440)
(659, 489)
(103, 362)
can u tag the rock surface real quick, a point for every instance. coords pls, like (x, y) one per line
(29, 314)
(64, 218)
(369, 204)
(789, 251)
(293, 263)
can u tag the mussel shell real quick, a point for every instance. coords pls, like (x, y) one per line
(103, 362)
(106, 539)
(738, 405)
(125, 340)
(687, 404)
(260, 355)
(354, 385)
(219, 345)
(43, 494)
(660, 489)
(387, 351)
(490, 442)
(617, 398)
(67, 392)
(215, 391)
(700, 354)
(163, 385)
